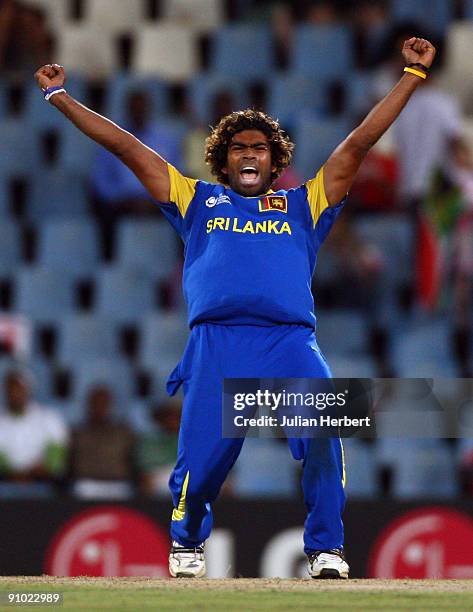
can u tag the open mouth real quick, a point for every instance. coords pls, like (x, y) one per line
(249, 175)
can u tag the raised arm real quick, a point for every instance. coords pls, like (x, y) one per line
(342, 166)
(149, 167)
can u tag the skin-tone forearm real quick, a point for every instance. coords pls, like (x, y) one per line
(93, 125)
(383, 115)
(342, 166)
(150, 168)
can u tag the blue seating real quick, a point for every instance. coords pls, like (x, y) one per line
(72, 246)
(114, 373)
(84, 337)
(316, 139)
(434, 15)
(360, 468)
(289, 93)
(55, 194)
(40, 115)
(122, 84)
(76, 152)
(255, 469)
(204, 87)
(124, 296)
(422, 468)
(10, 247)
(359, 366)
(147, 246)
(341, 332)
(424, 350)
(43, 294)
(163, 338)
(323, 52)
(19, 150)
(242, 51)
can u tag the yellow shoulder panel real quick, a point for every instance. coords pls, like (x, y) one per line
(316, 195)
(182, 189)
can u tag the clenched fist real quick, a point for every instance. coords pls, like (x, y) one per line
(418, 50)
(51, 75)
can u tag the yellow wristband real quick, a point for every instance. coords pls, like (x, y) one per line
(418, 73)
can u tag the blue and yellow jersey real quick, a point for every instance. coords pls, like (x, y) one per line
(249, 260)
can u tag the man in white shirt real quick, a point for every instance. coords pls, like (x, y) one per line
(33, 439)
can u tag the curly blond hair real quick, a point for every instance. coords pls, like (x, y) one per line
(216, 145)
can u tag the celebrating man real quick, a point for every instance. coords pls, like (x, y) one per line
(249, 258)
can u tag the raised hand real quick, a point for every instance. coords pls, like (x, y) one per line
(51, 75)
(418, 50)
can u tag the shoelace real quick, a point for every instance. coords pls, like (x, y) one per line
(324, 556)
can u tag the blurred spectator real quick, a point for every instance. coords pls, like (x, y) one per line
(118, 190)
(25, 42)
(222, 104)
(376, 184)
(283, 32)
(461, 172)
(156, 452)
(33, 438)
(101, 450)
(321, 12)
(370, 19)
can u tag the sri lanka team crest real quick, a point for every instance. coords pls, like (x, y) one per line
(273, 202)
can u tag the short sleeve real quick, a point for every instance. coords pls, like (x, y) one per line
(316, 196)
(182, 189)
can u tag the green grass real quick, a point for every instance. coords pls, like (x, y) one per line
(106, 597)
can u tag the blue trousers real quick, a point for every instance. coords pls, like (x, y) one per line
(215, 352)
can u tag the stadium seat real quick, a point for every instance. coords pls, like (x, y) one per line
(424, 350)
(316, 139)
(71, 246)
(86, 337)
(10, 247)
(76, 152)
(114, 373)
(166, 50)
(434, 15)
(360, 468)
(42, 116)
(422, 468)
(147, 246)
(121, 84)
(57, 13)
(341, 332)
(458, 62)
(289, 93)
(114, 16)
(124, 296)
(324, 52)
(86, 49)
(5, 210)
(64, 197)
(242, 51)
(259, 460)
(42, 379)
(200, 15)
(43, 294)
(360, 366)
(138, 416)
(19, 151)
(205, 86)
(393, 236)
(163, 338)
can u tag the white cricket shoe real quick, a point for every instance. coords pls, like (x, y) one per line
(328, 564)
(186, 562)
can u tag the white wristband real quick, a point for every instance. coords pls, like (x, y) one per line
(48, 96)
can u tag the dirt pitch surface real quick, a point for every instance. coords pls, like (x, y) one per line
(241, 584)
(237, 594)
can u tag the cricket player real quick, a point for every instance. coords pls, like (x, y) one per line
(249, 259)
